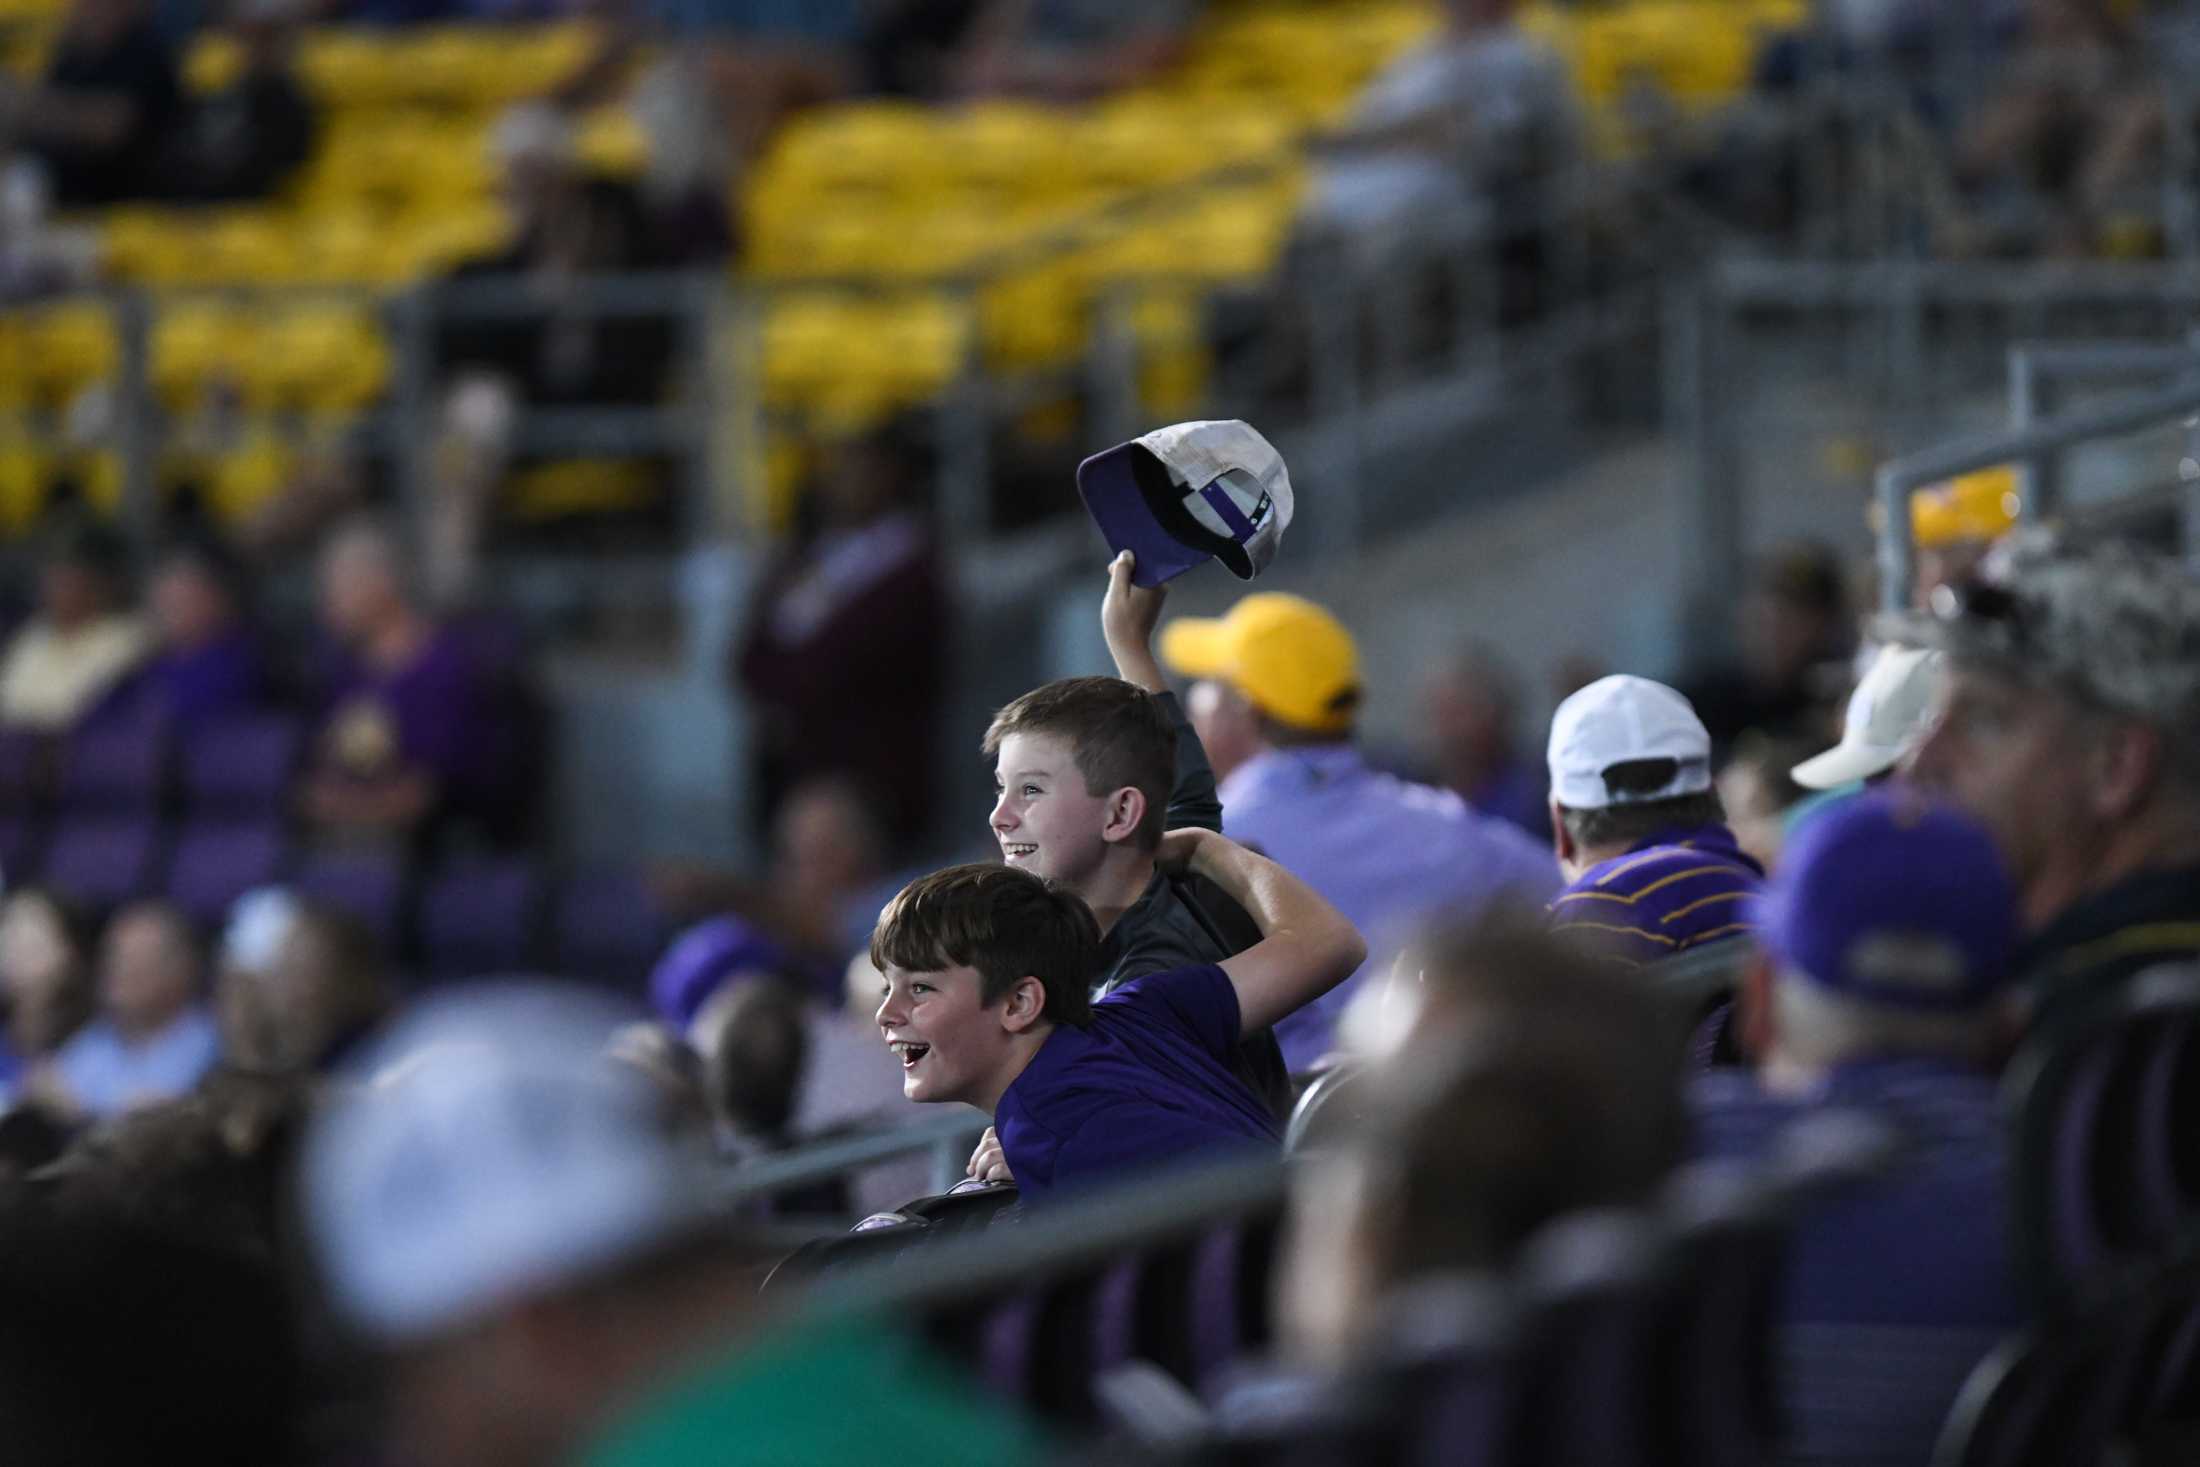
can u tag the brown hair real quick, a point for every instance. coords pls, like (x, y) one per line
(1625, 824)
(1117, 732)
(1005, 923)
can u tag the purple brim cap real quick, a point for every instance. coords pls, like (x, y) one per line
(1108, 482)
(703, 958)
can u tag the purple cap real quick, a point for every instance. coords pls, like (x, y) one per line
(1893, 898)
(699, 962)
(1189, 493)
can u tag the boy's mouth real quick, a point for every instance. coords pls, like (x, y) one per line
(1016, 850)
(909, 1051)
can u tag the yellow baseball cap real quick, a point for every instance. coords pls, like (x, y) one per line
(1292, 659)
(1976, 506)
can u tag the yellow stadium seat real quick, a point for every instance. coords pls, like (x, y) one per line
(240, 482)
(581, 486)
(25, 473)
(212, 62)
(882, 146)
(323, 359)
(611, 142)
(66, 349)
(198, 344)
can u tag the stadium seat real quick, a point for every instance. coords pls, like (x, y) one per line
(214, 863)
(1590, 1292)
(102, 861)
(240, 768)
(478, 918)
(2104, 1172)
(371, 889)
(119, 764)
(606, 928)
(1715, 1399)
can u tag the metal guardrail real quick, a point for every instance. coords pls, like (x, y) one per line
(948, 1139)
(2042, 440)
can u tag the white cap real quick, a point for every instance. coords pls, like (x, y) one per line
(1221, 490)
(489, 1151)
(1619, 720)
(1886, 716)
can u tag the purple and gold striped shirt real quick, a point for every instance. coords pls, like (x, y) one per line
(1677, 890)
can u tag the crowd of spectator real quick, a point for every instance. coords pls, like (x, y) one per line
(520, 1204)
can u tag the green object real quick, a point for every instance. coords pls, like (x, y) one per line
(1792, 819)
(821, 1393)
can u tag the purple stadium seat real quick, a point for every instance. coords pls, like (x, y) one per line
(1005, 1352)
(606, 928)
(1448, 1354)
(1115, 1314)
(242, 767)
(1716, 1404)
(213, 865)
(18, 847)
(118, 765)
(2075, 1230)
(1218, 1334)
(1590, 1284)
(478, 918)
(102, 860)
(371, 889)
(24, 762)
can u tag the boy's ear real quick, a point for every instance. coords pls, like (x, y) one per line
(1025, 1005)
(1126, 812)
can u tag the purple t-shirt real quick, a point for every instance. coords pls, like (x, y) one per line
(434, 714)
(1147, 1083)
(224, 676)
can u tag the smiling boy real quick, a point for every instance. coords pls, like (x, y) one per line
(1088, 772)
(987, 974)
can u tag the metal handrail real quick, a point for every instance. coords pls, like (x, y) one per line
(948, 1138)
(1898, 477)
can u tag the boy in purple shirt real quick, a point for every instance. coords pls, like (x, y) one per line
(987, 974)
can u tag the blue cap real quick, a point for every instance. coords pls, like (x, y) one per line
(1893, 898)
(699, 962)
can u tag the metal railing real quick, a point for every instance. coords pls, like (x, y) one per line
(946, 1139)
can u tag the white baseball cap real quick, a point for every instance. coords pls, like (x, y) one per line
(1885, 718)
(487, 1151)
(1621, 720)
(1182, 495)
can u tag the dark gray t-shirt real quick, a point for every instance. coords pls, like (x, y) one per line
(1187, 921)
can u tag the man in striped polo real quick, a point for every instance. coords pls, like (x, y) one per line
(1651, 868)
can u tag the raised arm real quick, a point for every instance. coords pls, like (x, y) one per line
(1306, 948)
(1128, 617)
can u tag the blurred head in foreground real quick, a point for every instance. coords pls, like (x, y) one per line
(498, 1205)
(1533, 1082)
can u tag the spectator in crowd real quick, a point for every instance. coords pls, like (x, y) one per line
(325, 989)
(246, 140)
(244, 1009)
(1887, 718)
(1651, 868)
(206, 660)
(1472, 705)
(757, 1052)
(154, 1038)
(1532, 1084)
(1794, 634)
(2068, 725)
(703, 967)
(1887, 938)
(1458, 132)
(847, 1088)
(676, 1074)
(611, 1320)
(82, 643)
(106, 105)
(408, 736)
(567, 224)
(44, 981)
(2072, 110)
(1386, 853)
(1069, 50)
(825, 885)
(1088, 773)
(854, 612)
(1954, 524)
(987, 1001)
(1759, 794)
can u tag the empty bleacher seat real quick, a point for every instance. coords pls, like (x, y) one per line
(215, 863)
(240, 768)
(371, 889)
(606, 928)
(116, 764)
(103, 860)
(478, 918)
